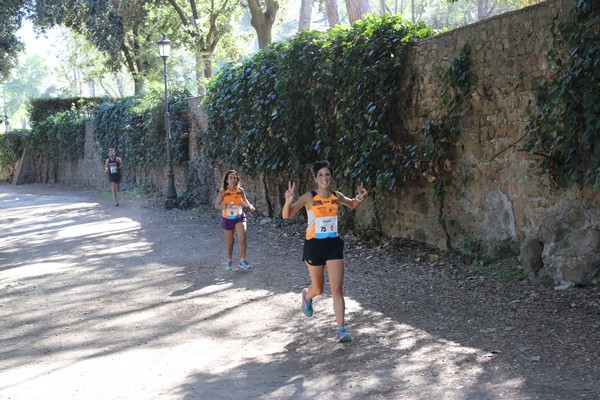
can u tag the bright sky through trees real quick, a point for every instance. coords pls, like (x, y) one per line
(76, 68)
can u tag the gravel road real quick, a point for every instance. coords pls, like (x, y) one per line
(133, 302)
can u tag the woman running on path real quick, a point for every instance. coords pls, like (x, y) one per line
(230, 199)
(323, 247)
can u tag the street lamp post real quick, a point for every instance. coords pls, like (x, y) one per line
(164, 49)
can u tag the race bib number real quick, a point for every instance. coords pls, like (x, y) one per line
(113, 169)
(234, 212)
(326, 227)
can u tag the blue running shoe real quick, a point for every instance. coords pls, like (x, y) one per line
(244, 265)
(307, 308)
(229, 266)
(342, 335)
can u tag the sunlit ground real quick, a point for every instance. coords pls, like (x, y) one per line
(93, 305)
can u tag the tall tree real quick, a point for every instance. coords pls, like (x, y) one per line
(262, 21)
(357, 9)
(382, 7)
(485, 8)
(25, 83)
(83, 67)
(333, 14)
(306, 9)
(11, 17)
(204, 23)
(118, 28)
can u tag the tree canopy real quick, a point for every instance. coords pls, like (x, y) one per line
(11, 18)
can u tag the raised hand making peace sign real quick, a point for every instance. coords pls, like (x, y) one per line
(362, 192)
(289, 194)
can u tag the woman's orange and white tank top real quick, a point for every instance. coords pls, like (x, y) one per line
(233, 203)
(322, 217)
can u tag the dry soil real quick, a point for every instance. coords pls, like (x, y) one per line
(133, 302)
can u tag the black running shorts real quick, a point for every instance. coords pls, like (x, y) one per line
(318, 251)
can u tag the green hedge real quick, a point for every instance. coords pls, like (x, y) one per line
(332, 95)
(134, 127)
(61, 136)
(12, 145)
(58, 126)
(40, 109)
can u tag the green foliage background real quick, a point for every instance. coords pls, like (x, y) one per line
(39, 109)
(321, 95)
(134, 127)
(60, 136)
(12, 145)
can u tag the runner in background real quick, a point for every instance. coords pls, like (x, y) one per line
(114, 167)
(323, 247)
(231, 200)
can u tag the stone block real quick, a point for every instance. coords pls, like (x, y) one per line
(531, 256)
(25, 170)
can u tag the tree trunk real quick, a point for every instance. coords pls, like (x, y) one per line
(261, 21)
(485, 9)
(138, 84)
(382, 7)
(203, 69)
(357, 9)
(333, 15)
(305, 15)
(204, 41)
(136, 69)
(207, 57)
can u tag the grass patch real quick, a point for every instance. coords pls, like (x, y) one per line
(126, 192)
(203, 210)
(502, 269)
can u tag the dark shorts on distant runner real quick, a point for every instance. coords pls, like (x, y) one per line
(114, 178)
(318, 251)
(229, 224)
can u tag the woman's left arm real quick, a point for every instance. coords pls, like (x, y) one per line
(245, 201)
(352, 203)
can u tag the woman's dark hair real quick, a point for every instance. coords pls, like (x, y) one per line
(226, 176)
(321, 164)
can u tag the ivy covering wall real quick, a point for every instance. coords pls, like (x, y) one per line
(564, 129)
(133, 125)
(57, 127)
(135, 128)
(11, 146)
(322, 95)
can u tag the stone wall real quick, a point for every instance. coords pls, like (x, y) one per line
(88, 171)
(504, 201)
(25, 169)
(505, 198)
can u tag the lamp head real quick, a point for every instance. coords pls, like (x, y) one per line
(164, 46)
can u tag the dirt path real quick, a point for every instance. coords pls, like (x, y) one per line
(133, 302)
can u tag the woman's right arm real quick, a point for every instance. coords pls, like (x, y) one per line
(290, 208)
(219, 200)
